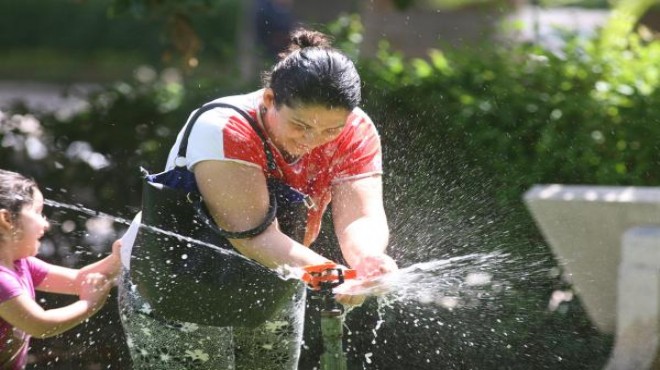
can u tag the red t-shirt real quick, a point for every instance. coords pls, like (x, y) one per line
(223, 134)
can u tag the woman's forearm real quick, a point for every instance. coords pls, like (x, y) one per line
(274, 249)
(364, 237)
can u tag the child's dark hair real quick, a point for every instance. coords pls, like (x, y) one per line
(16, 191)
(312, 72)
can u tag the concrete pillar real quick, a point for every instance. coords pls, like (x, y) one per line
(638, 301)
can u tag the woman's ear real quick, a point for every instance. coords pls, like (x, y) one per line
(269, 98)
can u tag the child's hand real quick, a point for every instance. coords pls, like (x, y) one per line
(114, 268)
(95, 288)
(116, 249)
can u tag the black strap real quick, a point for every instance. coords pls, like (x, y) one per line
(183, 146)
(203, 214)
(199, 204)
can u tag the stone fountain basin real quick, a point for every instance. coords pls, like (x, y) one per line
(584, 226)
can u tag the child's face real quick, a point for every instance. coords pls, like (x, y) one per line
(31, 226)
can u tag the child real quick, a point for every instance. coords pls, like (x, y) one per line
(21, 227)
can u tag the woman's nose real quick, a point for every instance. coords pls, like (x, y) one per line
(311, 138)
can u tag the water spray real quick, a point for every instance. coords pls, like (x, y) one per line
(322, 279)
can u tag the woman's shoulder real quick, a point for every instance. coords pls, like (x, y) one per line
(221, 112)
(225, 133)
(358, 113)
(245, 102)
(360, 119)
(359, 126)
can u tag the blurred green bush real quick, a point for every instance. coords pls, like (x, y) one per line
(103, 40)
(525, 115)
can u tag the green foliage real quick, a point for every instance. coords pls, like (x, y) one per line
(61, 66)
(403, 4)
(50, 34)
(160, 8)
(591, 4)
(73, 27)
(348, 33)
(526, 115)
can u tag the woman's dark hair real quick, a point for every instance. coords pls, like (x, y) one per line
(312, 72)
(16, 191)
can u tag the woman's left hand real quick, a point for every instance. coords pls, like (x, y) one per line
(368, 268)
(375, 265)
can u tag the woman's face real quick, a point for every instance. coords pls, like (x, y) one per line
(31, 226)
(296, 131)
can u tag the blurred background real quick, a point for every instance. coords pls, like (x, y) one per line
(475, 100)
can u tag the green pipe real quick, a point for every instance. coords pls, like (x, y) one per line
(332, 325)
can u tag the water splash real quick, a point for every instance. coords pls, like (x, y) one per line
(85, 210)
(124, 221)
(448, 283)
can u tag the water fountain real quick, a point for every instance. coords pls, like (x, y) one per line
(608, 241)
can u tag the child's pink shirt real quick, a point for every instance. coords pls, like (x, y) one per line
(27, 274)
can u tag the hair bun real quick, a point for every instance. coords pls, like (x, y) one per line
(312, 72)
(303, 38)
